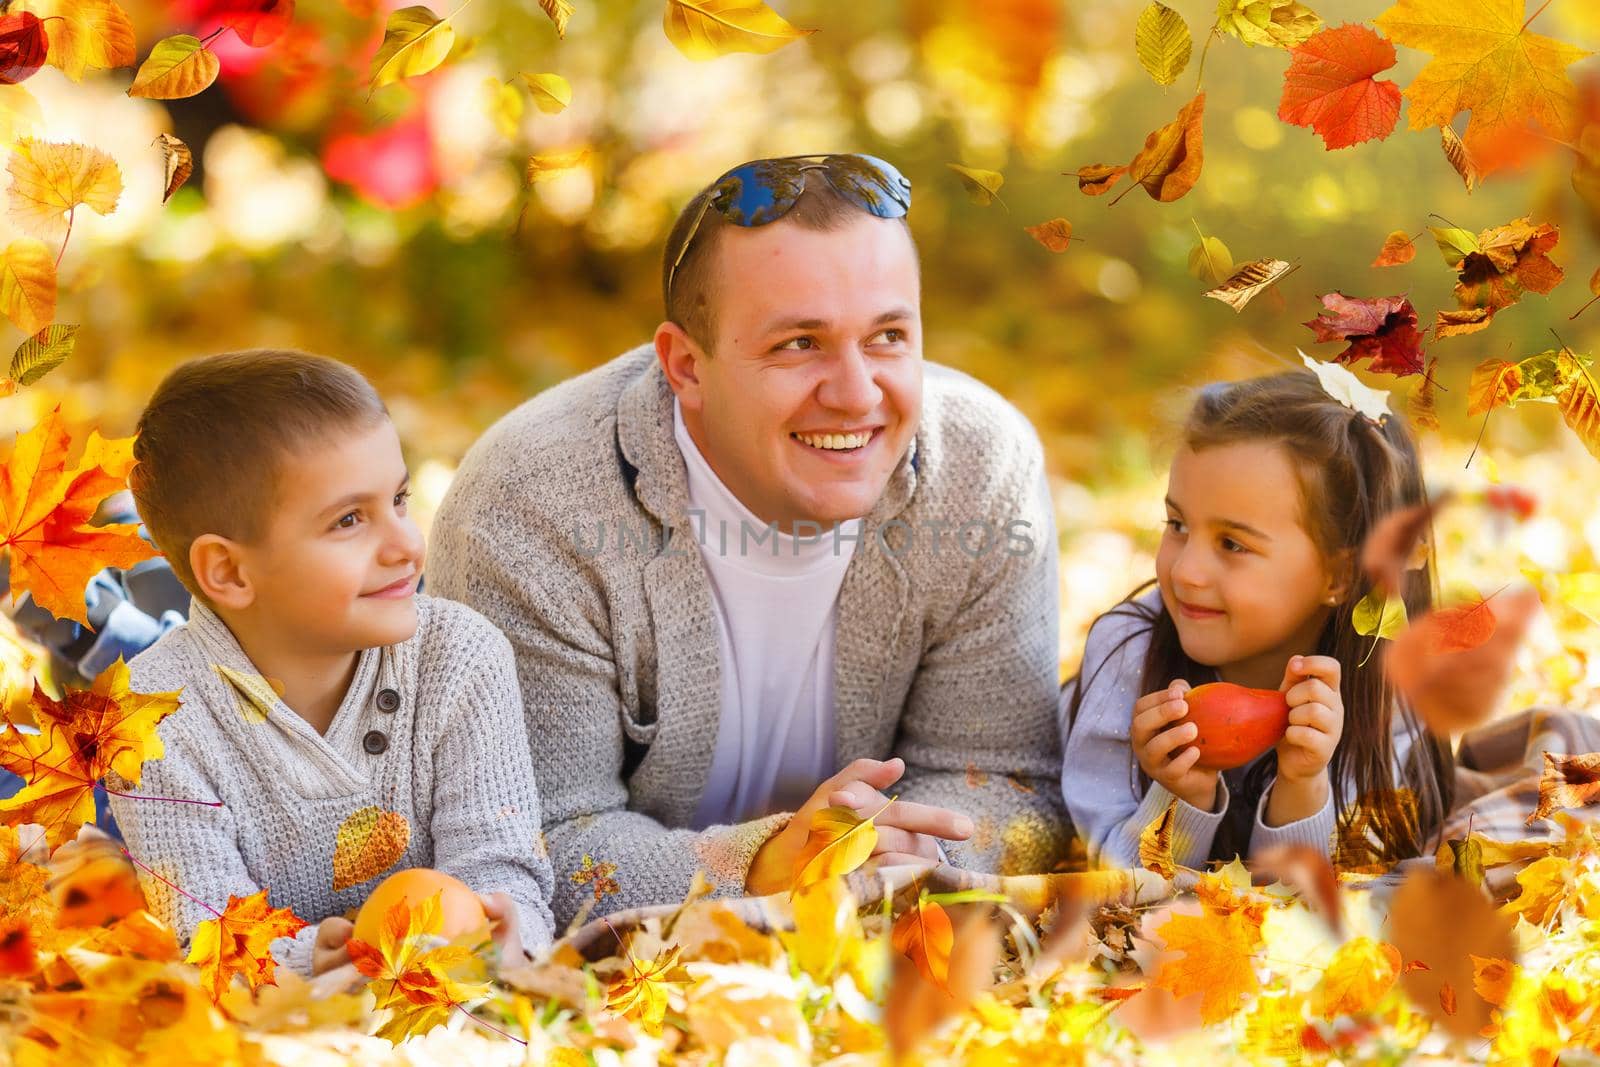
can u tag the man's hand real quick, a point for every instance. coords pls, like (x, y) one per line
(907, 832)
(332, 945)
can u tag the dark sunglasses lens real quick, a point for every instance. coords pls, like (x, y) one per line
(760, 192)
(872, 183)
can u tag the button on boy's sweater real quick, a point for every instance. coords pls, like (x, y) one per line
(431, 728)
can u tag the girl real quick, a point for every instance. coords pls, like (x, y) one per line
(1273, 490)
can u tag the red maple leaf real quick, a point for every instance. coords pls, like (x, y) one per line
(1329, 87)
(1383, 329)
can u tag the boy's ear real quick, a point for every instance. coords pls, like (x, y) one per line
(219, 571)
(680, 356)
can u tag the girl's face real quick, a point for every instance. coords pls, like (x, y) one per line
(1239, 575)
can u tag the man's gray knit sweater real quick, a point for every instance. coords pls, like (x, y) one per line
(431, 728)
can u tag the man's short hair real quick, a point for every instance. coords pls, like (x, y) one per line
(213, 439)
(689, 300)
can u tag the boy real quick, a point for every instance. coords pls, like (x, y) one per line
(316, 680)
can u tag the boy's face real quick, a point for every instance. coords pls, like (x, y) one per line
(336, 569)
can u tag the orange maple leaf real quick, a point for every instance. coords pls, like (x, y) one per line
(82, 737)
(640, 992)
(1217, 960)
(416, 976)
(45, 509)
(239, 941)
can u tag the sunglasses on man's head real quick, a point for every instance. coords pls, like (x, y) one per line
(763, 191)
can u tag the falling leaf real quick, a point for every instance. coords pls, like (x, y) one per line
(368, 842)
(543, 168)
(414, 978)
(1155, 842)
(827, 930)
(45, 509)
(1455, 153)
(1097, 178)
(551, 92)
(1487, 62)
(640, 992)
(1459, 628)
(914, 1007)
(1210, 261)
(559, 11)
(1398, 248)
(43, 353)
(49, 181)
(1216, 960)
(1162, 42)
(258, 22)
(23, 46)
(839, 842)
(87, 734)
(1360, 975)
(19, 114)
(1249, 281)
(707, 29)
(1275, 23)
(1491, 979)
(179, 162)
(1169, 163)
(1443, 922)
(415, 41)
(1594, 287)
(925, 937)
(85, 34)
(1494, 384)
(1383, 329)
(28, 284)
(1465, 859)
(983, 186)
(176, 68)
(1329, 87)
(1447, 999)
(1422, 404)
(1380, 616)
(503, 103)
(1495, 268)
(1398, 543)
(239, 942)
(1349, 390)
(1567, 782)
(1056, 235)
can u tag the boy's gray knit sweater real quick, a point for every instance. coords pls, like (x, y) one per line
(431, 728)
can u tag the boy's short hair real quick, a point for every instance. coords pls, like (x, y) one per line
(214, 435)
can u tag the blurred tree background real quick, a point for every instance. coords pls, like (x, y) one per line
(396, 228)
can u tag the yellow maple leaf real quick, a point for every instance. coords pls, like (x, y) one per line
(239, 941)
(418, 981)
(50, 181)
(1487, 62)
(1360, 974)
(1216, 960)
(45, 508)
(640, 992)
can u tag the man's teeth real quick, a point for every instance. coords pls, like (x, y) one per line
(835, 441)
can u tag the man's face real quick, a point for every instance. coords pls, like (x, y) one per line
(337, 567)
(813, 388)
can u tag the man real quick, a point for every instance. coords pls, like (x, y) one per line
(762, 567)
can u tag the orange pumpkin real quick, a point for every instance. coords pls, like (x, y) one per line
(1235, 723)
(458, 904)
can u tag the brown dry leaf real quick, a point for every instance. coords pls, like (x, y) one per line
(559, 11)
(1249, 282)
(1097, 178)
(179, 162)
(1169, 163)
(1055, 235)
(1422, 405)
(1399, 247)
(1455, 151)
(1567, 782)
(49, 181)
(369, 841)
(1443, 922)
(1399, 543)
(1495, 268)
(1155, 842)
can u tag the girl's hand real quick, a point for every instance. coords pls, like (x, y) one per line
(1316, 717)
(1165, 751)
(502, 912)
(331, 948)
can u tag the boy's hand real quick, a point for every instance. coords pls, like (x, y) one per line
(502, 912)
(1165, 751)
(1316, 717)
(332, 945)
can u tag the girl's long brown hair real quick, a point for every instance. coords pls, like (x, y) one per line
(1352, 472)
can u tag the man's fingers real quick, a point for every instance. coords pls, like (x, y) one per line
(906, 815)
(899, 842)
(900, 859)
